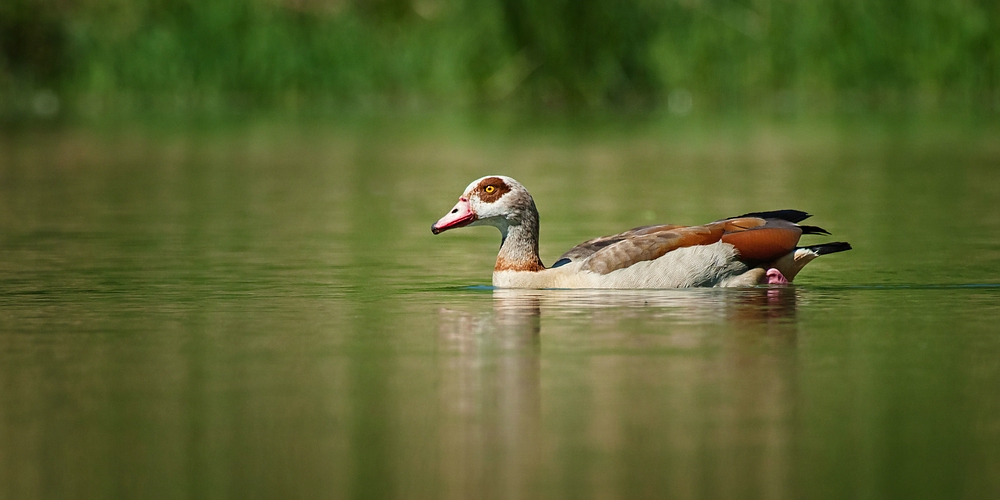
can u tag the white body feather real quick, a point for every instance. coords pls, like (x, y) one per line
(704, 265)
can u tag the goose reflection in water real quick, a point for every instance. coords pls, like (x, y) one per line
(491, 399)
(544, 372)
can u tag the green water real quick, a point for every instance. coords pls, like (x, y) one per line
(260, 311)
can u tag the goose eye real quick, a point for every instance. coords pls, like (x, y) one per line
(490, 189)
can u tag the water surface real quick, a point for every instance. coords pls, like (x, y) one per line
(255, 311)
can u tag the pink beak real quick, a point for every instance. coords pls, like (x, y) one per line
(461, 215)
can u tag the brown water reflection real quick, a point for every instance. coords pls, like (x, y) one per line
(504, 439)
(491, 393)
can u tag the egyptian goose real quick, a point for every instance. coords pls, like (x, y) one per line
(751, 249)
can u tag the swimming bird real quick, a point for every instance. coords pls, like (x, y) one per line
(747, 250)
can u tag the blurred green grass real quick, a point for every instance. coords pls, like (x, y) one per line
(132, 56)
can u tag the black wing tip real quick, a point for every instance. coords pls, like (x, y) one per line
(833, 247)
(813, 230)
(787, 214)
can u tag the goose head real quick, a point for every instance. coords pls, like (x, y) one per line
(494, 200)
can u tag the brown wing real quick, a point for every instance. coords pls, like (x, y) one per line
(650, 243)
(756, 239)
(759, 239)
(589, 247)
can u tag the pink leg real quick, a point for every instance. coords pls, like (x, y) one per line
(774, 277)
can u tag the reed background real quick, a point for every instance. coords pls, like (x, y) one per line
(61, 57)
